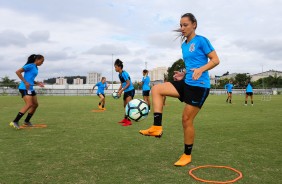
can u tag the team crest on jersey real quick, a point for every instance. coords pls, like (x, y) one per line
(192, 47)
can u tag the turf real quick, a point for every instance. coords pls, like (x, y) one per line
(81, 146)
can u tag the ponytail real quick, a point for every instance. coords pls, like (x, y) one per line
(32, 58)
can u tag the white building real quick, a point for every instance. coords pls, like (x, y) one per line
(272, 73)
(229, 76)
(78, 81)
(93, 78)
(157, 74)
(61, 81)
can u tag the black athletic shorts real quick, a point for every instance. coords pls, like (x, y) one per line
(192, 95)
(249, 93)
(229, 92)
(129, 93)
(27, 92)
(100, 94)
(146, 93)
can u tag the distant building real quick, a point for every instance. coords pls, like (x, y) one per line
(157, 74)
(93, 78)
(261, 75)
(229, 76)
(61, 81)
(78, 81)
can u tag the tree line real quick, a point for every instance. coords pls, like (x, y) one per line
(239, 81)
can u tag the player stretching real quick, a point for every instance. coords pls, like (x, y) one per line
(26, 89)
(191, 87)
(126, 87)
(100, 92)
(146, 87)
(229, 88)
(249, 92)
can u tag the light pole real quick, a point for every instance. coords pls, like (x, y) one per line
(112, 72)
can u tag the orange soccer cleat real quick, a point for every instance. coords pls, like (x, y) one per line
(183, 160)
(156, 131)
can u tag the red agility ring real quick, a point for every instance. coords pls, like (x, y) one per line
(214, 166)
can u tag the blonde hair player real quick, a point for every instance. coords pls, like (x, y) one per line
(102, 85)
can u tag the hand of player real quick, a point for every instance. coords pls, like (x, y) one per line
(197, 73)
(119, 93)
(178, 75)
(40, 84)
(27, 85)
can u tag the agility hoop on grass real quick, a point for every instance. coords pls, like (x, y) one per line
(214, 166)
(34, 126)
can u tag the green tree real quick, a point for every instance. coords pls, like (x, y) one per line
(137, 85)
(240, 79)
(7, 82)
(176, 66)
(269, 82)
(221, 83)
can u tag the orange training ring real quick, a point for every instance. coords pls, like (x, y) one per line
(214, 166)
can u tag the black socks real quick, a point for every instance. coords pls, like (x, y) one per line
(188, 149)
(19, 116)
(158, 119)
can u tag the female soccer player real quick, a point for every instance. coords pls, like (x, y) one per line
(249, 92)
(146, 87)
(26, 89)
(100, 92)
(192, 87)
(126, 87)
(229, 88)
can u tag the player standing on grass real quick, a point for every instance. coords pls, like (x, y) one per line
(126, 87)
(146, 87)
(229, 88)
(249, 92)
(26, 89)
(191, 87)
(100, 92)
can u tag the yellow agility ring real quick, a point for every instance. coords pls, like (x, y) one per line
(214, 166)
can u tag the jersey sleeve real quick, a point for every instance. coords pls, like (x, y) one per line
(27, 67)
(125, 76)
(206, 46)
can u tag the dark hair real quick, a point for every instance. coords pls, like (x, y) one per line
(32, 58)
(103, 78)
(192, 18)
(145, 71)
(119, 63)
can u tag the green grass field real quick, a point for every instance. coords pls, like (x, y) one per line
(80, 146)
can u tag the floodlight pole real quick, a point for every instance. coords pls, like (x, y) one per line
(112, 72)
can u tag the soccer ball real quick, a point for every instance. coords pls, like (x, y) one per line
(137, 109)
(115, 94)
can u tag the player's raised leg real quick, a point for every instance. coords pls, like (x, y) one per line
(158, 92)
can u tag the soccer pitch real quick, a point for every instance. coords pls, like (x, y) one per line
(81, 146)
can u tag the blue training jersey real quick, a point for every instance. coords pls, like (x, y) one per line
(249, 88)
(30, 72)
(146, 83)
(195, 56)
(229, 87)
(123, 77)
(101, 87)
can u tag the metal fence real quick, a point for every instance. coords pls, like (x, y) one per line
(6, 91)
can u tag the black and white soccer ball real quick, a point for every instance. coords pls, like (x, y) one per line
(115, 94)
(137, 109)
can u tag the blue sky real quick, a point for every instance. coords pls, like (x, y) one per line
(77, 37)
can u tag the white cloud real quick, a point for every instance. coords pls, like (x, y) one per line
(106, 49)
(80, 36)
